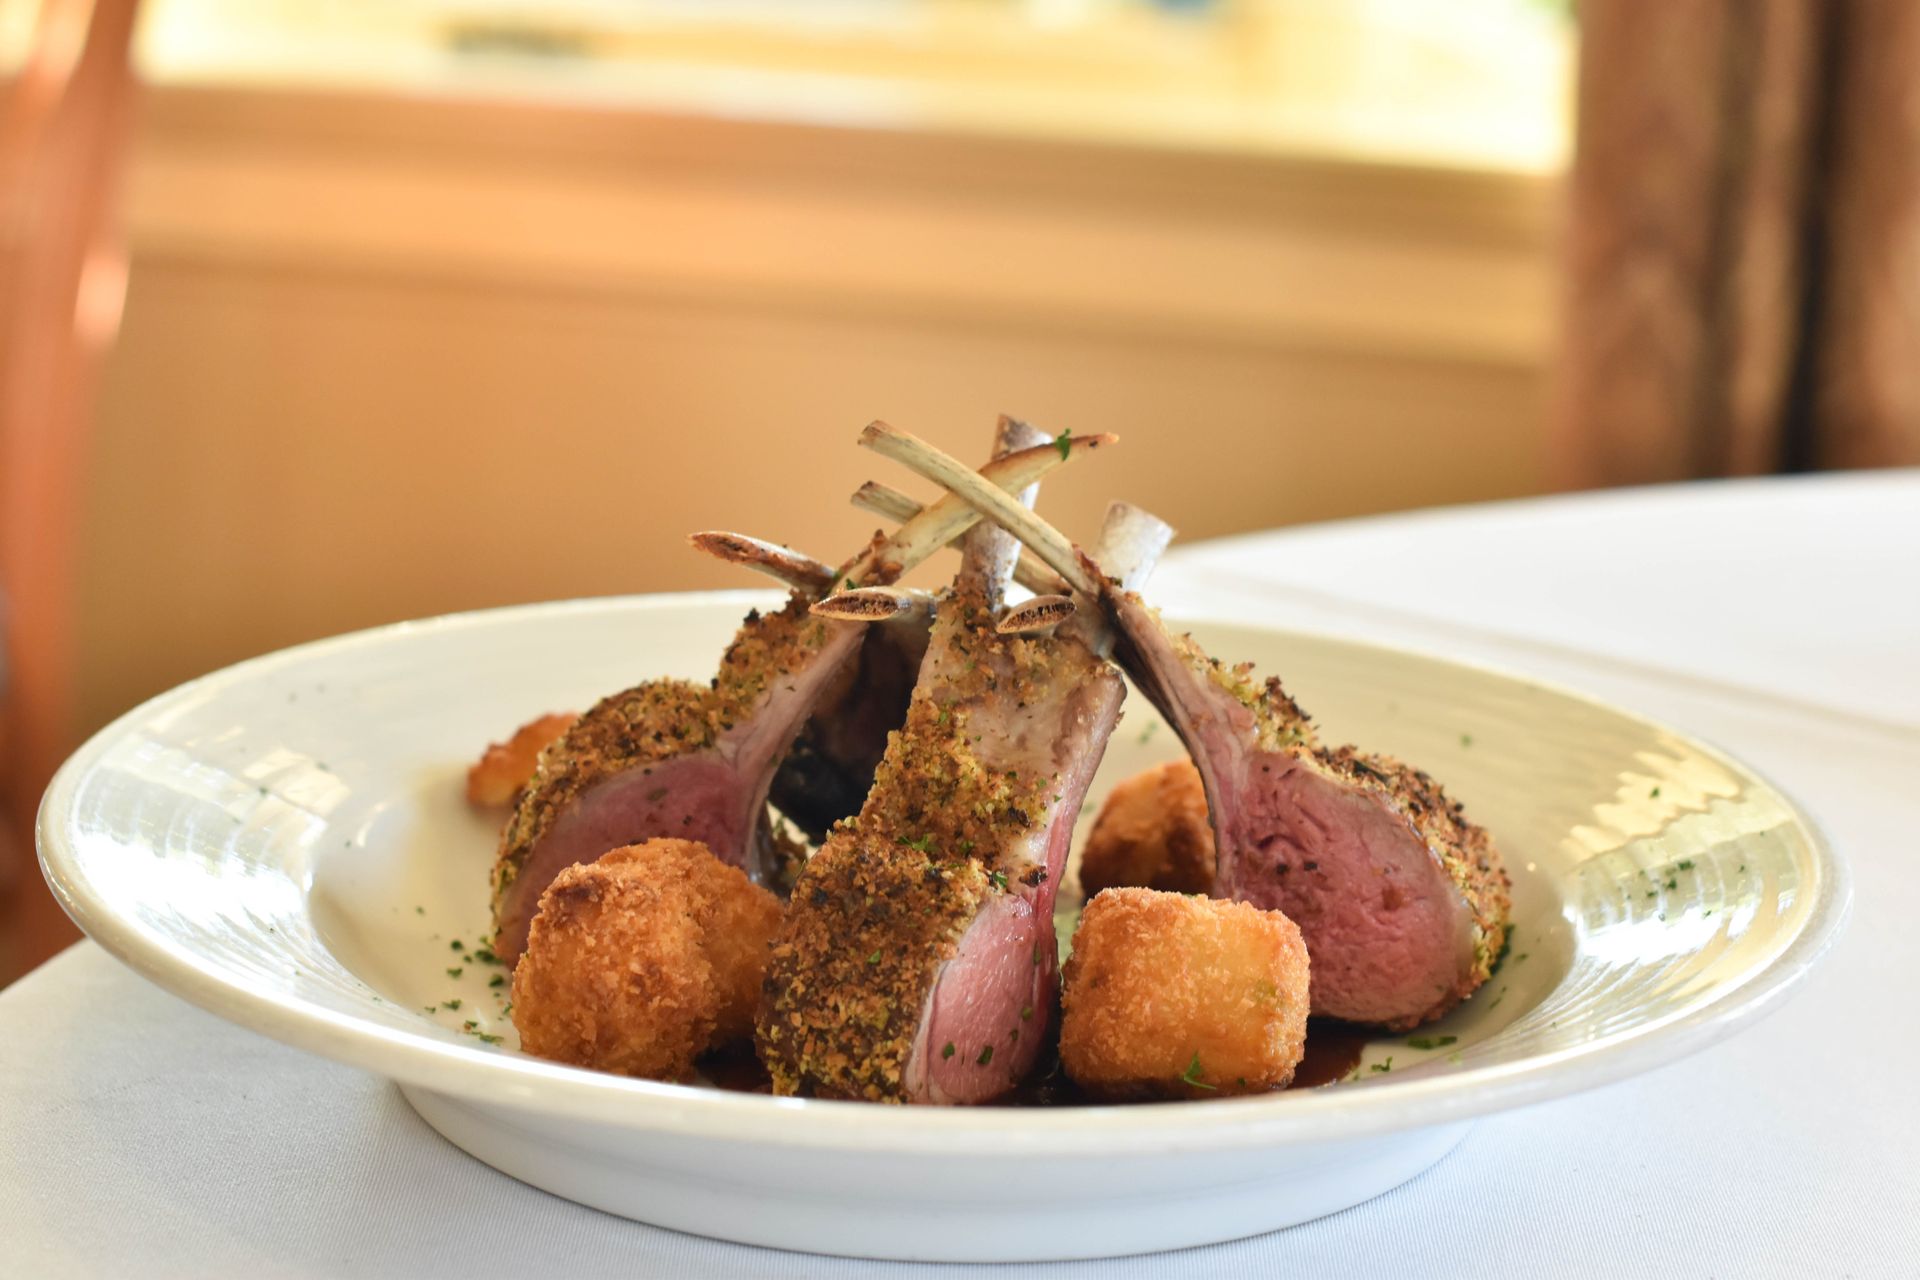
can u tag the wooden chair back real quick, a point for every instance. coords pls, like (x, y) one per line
(63, 124)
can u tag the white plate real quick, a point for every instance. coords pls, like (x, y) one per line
(285, 843)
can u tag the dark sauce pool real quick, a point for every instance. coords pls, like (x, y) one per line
(1333, 1051)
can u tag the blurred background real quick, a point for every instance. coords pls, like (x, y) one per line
(318, 314)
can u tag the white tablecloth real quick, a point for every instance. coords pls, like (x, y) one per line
(1780, 619)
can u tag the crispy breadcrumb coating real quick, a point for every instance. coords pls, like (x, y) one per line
(886, 900)
(872, 923)
(1152, 832)
(1278, 723)
(643, 960)
(497, 776)
(1171, 996)
(652, 722)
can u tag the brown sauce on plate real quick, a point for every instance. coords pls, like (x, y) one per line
(736, 1071)
(1333, 1051)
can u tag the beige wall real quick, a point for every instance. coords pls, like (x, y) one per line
(387, 359)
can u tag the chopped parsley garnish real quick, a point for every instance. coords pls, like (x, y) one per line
(486, 1037)
(948, 1051)
(1466, 740)
(1431, 1042)
(1382, 1067)
(986, 1056)
(1026, 1013)
(922, 845)
(457, 945)
(484, 954)
(419, 911)
(1192, 1075)
(875, 957)
(1654, 794)
(1146, 734)
(455, 972)
(998, 879)
(450, 1004)
(1064, 443)
(498, 980)
(1685, 864)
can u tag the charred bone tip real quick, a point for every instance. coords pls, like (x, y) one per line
(866, 604)
(1040, 614)
(784, 563)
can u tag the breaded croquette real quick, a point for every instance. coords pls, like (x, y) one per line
(1152, 832)
(641, 961)
(1170, 996)
(497, 776)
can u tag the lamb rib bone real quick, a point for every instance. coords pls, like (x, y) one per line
(894, 505)
(1402, 900)
(828, 770)
(919, 534)
(800, 572)
(917, 962)
(677, 758)
(950, 517)
(955, 477)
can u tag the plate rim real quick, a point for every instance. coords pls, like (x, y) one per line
(523, 1082)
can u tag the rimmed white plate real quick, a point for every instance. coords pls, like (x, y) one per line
(284, 843)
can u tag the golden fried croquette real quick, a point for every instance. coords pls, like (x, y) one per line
(1152, 832)
(738, 927)
(1170, 996)
(643, 960)
(497, 776)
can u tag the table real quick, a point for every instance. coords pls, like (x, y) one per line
(1778, 618)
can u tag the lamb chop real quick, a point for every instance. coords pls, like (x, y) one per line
(917, 961)
(829, 769)
(1403, 902)
(677, 758)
